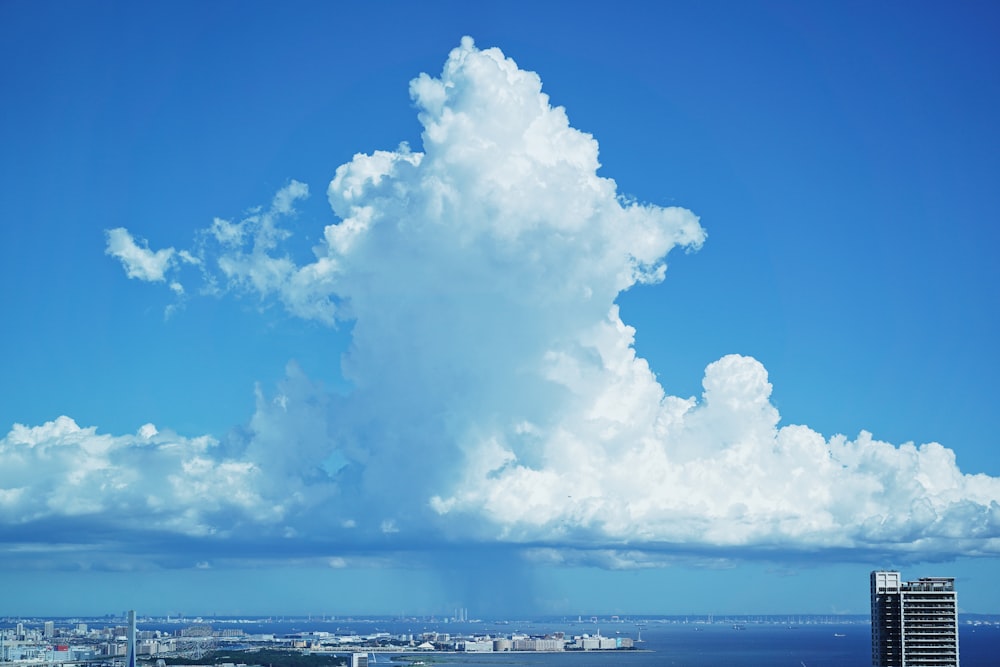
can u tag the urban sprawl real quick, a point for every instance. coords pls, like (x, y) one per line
(51, 643)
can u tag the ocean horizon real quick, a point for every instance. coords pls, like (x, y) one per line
(733, 641)
(684, 641)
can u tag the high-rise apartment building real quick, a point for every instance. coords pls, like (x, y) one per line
(914, 623)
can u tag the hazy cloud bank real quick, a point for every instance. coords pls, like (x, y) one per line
(497, 395)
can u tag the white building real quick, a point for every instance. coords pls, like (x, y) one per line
(914, 623)
(478, 646)
(536, 644)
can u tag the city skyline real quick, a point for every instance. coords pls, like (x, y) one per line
(305, 318)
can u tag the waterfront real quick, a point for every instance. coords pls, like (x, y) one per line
(719, 645)
(670, 642)
(665, 642)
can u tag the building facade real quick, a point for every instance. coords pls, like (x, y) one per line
(914, 623)
(130, 653)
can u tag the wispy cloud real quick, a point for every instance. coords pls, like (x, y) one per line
(497, 395)
(139, 261)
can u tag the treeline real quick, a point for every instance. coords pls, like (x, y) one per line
(264, 657)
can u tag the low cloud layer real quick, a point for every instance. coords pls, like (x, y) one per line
(497, 395)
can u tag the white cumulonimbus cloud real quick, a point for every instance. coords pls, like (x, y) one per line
(497, 394)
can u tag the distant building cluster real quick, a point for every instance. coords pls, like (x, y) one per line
(125, 644)
(319, 642)
(556, 641)
(79, 643)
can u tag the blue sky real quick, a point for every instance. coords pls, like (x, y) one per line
(218, 394)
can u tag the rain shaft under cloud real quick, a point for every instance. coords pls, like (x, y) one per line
(496, 392)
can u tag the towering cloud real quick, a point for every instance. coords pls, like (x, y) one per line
(497, 395)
